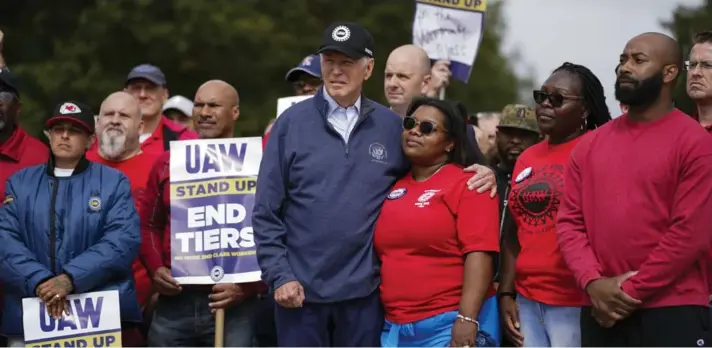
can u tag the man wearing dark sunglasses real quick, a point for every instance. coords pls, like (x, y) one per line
(305, 77)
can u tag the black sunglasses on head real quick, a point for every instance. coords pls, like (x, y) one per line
(426, 127)
(556, 99)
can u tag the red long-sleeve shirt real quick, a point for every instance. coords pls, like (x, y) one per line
(638, 197)
(154, 210)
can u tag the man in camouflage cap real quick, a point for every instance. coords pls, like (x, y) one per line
(517, 131)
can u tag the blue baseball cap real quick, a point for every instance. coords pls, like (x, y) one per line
(310, 64)
(149, 72)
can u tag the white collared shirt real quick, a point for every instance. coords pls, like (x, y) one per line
(342, 119)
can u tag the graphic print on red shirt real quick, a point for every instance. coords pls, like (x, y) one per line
(421, 235)
(136, 169)
(537, 190)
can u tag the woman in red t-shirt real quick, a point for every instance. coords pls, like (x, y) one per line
(539, 299)
(435, 239)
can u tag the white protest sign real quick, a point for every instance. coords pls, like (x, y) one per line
(94, 320)
(285, 103)
(451, 30)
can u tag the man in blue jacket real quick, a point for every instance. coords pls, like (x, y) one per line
(86, 241)
(327, 168)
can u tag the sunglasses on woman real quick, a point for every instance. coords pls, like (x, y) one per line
(426, 127)
(556, 99)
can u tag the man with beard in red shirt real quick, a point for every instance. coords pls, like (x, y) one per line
(635, 226)
(118, 129)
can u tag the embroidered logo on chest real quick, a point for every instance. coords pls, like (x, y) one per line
(378, 153)
(424, 199)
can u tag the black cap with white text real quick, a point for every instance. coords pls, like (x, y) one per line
(348, 38)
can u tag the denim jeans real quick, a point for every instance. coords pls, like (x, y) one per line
(545, 325)
(436, 331)
(184, 320)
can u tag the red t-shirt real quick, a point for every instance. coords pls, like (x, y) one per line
(423, 232)
(638, 198)
(136, 169)
(708, 128)
(17, 152)
(537, 188)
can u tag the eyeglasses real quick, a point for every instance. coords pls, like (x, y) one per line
(426, 127)
(62, 128)
(692, 65)
(555, 99)
(307, 81)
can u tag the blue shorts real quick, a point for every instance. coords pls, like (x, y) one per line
(436, 331)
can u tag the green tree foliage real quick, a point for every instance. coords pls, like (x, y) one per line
(83, 50)
(684, 24)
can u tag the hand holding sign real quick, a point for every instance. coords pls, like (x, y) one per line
(165, 283)
(440, 74)
(290, 295)
(53, 292)
(450, 30)
(225, 295)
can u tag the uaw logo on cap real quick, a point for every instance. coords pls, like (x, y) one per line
(69, 108)
(307, 61)
(95, 203)
(341, 33)
(217, 273)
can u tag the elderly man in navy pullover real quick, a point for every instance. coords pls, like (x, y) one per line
(328, 166)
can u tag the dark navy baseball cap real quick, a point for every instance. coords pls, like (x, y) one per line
(311, 65)
(149, 72)
(8, 80)
(348, 38)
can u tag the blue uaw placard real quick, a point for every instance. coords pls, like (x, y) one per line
(212, 194)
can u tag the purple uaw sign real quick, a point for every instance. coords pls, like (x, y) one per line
(212, 194)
